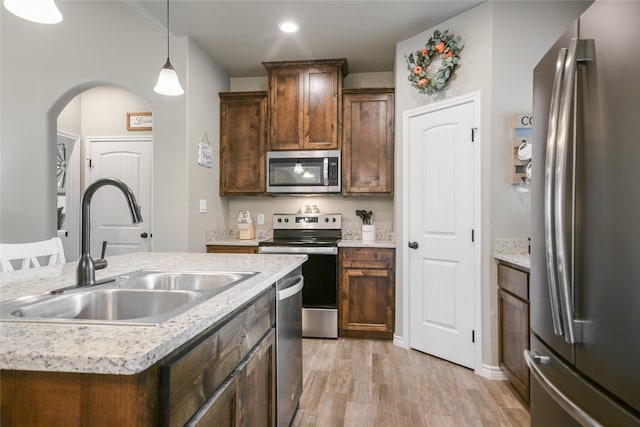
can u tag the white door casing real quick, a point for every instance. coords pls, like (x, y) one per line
(442, 217)
(72, 194)
(128, 159)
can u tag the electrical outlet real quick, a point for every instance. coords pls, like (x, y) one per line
(260, 219)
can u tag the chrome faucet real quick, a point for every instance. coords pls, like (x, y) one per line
(86, 272)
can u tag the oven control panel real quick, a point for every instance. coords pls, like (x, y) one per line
(307, 221)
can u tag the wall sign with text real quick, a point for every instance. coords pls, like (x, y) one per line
(139, 121)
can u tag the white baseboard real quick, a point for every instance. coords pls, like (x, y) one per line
(491, 372)
(400, 342)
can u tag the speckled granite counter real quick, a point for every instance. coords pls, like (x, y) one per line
(361, 244)
(514, 251)
(125, 349)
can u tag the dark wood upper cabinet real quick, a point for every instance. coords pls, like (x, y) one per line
(243, 119)
(305, 104)
(367, 142)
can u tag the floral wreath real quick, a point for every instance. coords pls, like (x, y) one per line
(440, 45)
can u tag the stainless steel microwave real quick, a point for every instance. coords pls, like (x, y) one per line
(304, 172)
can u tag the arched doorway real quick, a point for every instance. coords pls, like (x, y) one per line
(99, 112)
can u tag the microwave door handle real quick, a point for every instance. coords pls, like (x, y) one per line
(550, 162)
(325, 175)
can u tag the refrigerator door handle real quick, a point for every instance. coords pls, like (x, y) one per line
(550, 164)
(579, 50)
(534, 361)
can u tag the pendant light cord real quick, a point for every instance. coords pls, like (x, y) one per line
(167, 29)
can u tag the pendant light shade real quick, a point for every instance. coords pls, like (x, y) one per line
(168, 82)
(40, 11)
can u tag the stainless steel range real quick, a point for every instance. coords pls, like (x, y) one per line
(317, 236)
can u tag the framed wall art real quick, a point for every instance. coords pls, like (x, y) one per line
(139, 121)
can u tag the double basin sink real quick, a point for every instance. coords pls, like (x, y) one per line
(141, 298)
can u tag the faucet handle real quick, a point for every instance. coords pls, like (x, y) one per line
(99, 264)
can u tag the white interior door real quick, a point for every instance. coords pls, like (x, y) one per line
(441, 222)
(128, 159)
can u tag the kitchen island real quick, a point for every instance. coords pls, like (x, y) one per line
(125, 373)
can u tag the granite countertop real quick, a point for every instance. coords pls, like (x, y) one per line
(520, 260)
(514, 251)
(120, 349)
(360, 244)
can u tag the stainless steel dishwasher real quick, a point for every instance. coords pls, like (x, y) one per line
(289, 346)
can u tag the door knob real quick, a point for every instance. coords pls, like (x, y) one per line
(413, 245)
(144, 235)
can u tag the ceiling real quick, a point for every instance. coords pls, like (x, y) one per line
(240, 34)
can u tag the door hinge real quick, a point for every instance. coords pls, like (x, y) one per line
(90, 163)
(473, 335)
(473, 134)
(473, 235)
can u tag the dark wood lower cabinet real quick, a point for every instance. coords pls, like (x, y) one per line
(513, 323)
(247, 397)
(33, 399)
(367, 293)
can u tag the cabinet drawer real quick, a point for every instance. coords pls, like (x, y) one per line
(514, 281)
(189, 378)
(224, 249)
(367, 258)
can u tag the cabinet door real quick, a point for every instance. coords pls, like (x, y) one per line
(305, 101)
(286, 109)
(368, 132)
(259, 386)
(222, 409)
(513, 315)
(242, 143)
(321, 108)
(367, 303)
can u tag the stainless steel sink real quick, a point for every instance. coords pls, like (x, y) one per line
(180, 280)
(145, 298)
(107, 305)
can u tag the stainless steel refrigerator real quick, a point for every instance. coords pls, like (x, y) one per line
(585, 248)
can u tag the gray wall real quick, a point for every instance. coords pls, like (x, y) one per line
(502, 43)
(102, 42)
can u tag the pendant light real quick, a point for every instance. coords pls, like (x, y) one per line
(40, 11)
(168, 83)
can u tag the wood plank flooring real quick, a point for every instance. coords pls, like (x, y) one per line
(355, 382)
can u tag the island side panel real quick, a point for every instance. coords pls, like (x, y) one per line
(63, 399)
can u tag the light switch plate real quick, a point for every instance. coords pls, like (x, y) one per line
(260, 219)
(203, 205)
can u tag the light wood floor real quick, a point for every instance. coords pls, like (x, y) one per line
(349, 382)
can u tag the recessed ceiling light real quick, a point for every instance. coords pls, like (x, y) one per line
(288, 27)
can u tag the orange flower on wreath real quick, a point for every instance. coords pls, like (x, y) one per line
(449, 54)
(440, 47)
(423, 82)
(424, 52)
(417, 70)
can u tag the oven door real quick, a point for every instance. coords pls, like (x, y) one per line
(320, 292)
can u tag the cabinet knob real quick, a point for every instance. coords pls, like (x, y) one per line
(144, 235)
(413, 245)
